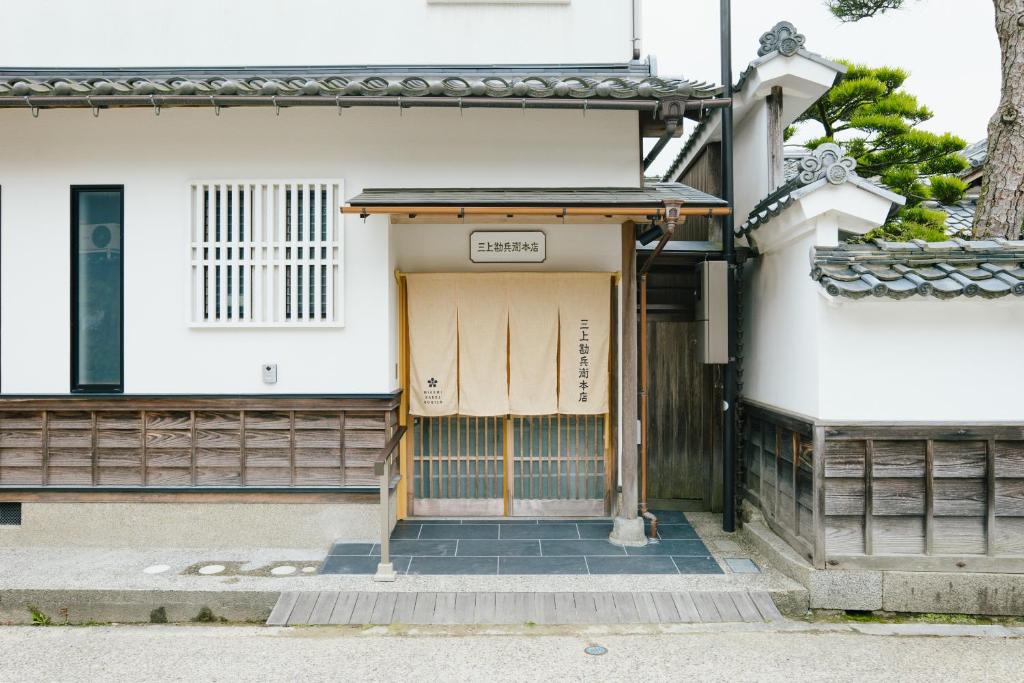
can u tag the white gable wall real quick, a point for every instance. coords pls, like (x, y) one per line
(156, 157)
(118, 33)
(781, 330)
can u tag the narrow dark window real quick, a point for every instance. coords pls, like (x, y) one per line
(97, 289)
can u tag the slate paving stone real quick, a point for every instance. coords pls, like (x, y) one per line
(498, 549)
(672, 547)
(360, 564)
(539, 531)
(673, 531)
(526, 546)
(670, 517)
(352, 549)
(458, 531)
(588, 548)
(697, 565)
(542, 565)
(632, 565)
(453, 565)
(595, 531)
(406, 531)
(421, 548)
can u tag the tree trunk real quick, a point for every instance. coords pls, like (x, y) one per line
(1001, 206)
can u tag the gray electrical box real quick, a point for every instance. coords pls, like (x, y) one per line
(270, 373)
(712, 313)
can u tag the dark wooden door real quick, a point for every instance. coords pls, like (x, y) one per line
(685, 421)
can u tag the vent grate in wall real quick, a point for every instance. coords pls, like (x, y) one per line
(10, 514)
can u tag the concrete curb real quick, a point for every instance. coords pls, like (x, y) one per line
(891, 591)
(135, 606)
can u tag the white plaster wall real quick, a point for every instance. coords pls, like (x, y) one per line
(782, 338)
(751, 160)
(922, 359)
(155, 158)
(117, 33)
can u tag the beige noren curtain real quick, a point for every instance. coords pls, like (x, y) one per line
(483, 344)
(533, 345)
(433, 344)
(584, 322)
(487, 344)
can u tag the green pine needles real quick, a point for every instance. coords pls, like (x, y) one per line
(871, 116)
(855, 10)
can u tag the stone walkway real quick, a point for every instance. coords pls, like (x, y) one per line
(491, 608)
(512, 546)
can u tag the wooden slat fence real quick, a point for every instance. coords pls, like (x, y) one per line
(208, 442)
(925, 497)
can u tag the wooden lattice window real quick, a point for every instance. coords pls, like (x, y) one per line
(266, 253)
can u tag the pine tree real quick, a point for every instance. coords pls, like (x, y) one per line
(877, 122)
(1001, 206)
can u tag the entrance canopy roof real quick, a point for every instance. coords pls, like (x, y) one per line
(585, 204)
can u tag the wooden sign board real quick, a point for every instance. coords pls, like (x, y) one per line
(528, 246)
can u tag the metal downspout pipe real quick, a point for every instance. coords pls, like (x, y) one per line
(672, 219)
(729, 397)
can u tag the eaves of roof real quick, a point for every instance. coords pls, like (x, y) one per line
(601, 82)
(989, 269)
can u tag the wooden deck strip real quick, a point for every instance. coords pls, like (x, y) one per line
(766, 606)
(423, 613)
(384, 609)
(363, 609)
(687, 609)
(342, 611)
(325, 603)
(283, 609)
(491, 608)
(303, 609)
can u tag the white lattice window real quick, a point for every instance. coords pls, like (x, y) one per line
(266, 253)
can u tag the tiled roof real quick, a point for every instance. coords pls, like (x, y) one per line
(977, 155)
(960, 216)
(782, 40)
(990, 269)
(826, 165)
(532, 82)
(654, 195)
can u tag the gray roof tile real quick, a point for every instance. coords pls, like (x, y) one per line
(652, 195)
(990, 269)
(531, 82)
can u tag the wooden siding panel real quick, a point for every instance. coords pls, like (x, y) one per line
(1010, 497)
(960, 459)
(844, 497)
(898, 459)
(898, 535)
(960, 497)
(844, 535)
(898, 497)
(959, 536)
(203, 442)
(844, 459)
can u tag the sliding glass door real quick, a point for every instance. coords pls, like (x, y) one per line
(97, 284)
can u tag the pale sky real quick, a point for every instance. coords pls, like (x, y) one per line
(948, 46)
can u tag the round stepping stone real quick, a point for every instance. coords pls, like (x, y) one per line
(283, 571)
(308, 570)
(211, 569)
(156, 569)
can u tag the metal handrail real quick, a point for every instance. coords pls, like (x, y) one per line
(382, 467)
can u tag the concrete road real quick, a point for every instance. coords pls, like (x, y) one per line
(252, 653)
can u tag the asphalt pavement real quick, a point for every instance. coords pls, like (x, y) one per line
(723, 653)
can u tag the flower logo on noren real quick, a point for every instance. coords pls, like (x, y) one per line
(432, 383)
